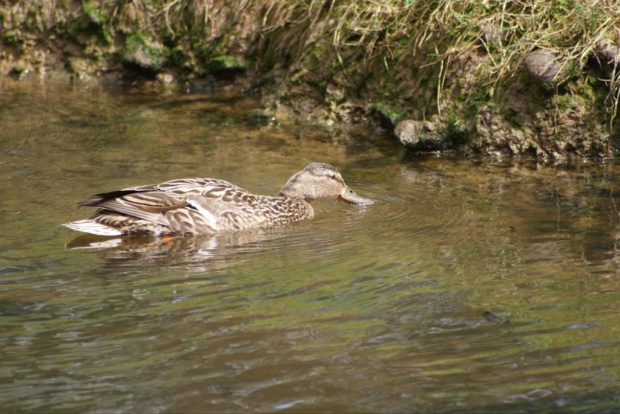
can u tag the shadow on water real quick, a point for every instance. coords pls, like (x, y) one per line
(467, 287)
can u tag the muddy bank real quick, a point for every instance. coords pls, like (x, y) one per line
(413, 68)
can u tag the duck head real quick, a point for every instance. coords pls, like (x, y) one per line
(321, 181)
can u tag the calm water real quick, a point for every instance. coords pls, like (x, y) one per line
(466, 288)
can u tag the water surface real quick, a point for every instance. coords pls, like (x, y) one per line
(467, 287)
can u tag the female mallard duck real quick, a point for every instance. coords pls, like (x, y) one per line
(208, 205)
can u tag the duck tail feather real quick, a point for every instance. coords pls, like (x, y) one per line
(92, 227)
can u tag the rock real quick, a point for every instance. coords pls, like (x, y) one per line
(544, 66)
(94, 15)
(608, 52)
(419, 135)
(225, 63)
(142, 54)
(83, 68)
(165, 79)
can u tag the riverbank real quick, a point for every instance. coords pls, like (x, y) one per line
(478, 78)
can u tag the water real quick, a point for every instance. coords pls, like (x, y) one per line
(467, 287)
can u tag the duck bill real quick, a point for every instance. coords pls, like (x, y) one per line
(351, 196)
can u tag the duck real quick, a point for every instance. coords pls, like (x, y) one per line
(210, 205)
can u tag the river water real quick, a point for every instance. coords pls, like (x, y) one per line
(467, 287)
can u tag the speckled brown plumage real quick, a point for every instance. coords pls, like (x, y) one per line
(208, 205)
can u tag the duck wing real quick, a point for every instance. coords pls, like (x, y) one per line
(189, 205)
(147, 205)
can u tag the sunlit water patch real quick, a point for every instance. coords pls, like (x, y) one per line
(466, 287)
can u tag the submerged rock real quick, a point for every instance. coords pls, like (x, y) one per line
(21, 69)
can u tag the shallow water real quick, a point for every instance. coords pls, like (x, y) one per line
(467, 287)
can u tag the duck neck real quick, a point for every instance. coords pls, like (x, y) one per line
(290, 194)
(295, 198)
(290, 190)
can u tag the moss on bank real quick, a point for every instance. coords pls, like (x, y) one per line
(506, 77)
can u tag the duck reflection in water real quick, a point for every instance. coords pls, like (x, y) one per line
(173, 250)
